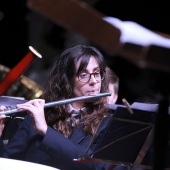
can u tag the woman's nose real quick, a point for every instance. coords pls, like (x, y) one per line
(92, 79)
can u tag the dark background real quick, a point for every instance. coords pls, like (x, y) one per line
(21, 27)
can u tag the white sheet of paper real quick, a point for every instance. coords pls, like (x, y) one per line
(134, 33)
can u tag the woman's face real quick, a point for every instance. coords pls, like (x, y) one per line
(93, 86)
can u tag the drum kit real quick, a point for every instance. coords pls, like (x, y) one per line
(22, 88)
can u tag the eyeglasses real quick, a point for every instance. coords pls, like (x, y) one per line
(85, 77)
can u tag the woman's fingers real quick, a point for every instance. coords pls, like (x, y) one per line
(2, 108)
(36, 109)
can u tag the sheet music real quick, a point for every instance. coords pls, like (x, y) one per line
(134, 33)
(139, 106)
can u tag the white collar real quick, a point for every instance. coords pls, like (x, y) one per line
(70, 108)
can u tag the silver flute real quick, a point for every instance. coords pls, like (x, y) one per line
(60, 102)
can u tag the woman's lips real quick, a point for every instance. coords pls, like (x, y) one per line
(92, 92)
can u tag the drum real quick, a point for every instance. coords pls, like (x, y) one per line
(23, 87)
(8, 164)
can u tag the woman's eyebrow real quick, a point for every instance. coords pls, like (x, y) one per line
(94, 69)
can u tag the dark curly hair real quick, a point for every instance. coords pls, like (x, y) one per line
(60, 86)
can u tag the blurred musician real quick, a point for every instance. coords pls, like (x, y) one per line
(113, 85)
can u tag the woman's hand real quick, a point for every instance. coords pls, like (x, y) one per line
(36, 109)
(2, 120)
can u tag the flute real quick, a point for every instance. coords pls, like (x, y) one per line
(60, 102)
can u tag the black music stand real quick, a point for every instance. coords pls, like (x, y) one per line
(127, 139)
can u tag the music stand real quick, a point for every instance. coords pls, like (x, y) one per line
(127, 139)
